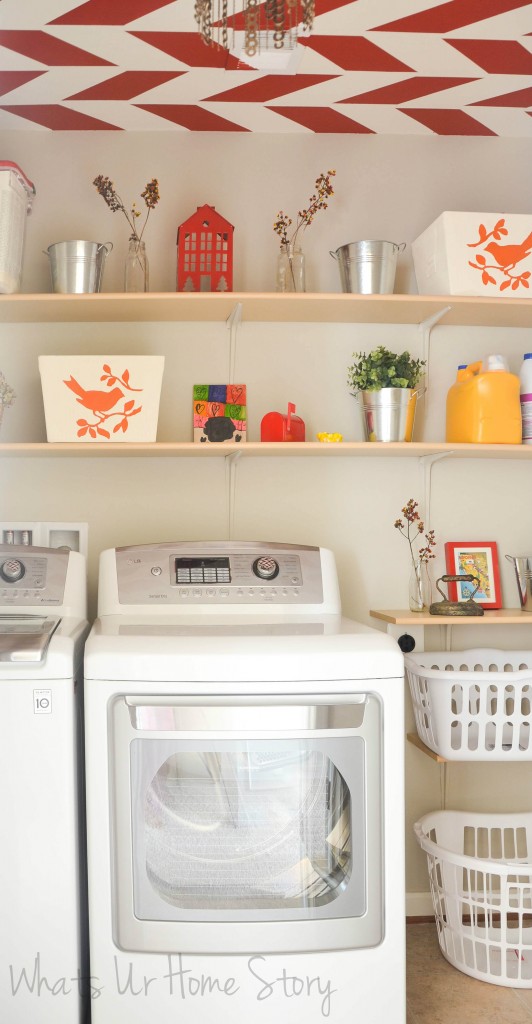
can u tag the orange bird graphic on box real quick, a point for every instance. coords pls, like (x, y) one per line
(99, 402)
(507, 256)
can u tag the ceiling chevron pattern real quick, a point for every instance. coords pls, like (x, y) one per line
(370, 67)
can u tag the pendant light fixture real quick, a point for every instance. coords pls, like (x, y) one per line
(266, 27)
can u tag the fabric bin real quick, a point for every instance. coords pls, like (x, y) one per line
(101, 398)
(475, 254)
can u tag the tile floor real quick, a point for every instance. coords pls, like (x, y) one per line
(437, 993)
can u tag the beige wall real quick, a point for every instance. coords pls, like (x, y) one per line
(385, 188)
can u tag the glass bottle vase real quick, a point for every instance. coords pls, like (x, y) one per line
(291, 269)
(419, 589)
(137, 271)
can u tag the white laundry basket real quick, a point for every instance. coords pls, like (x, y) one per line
(16, 196)
(480, 871)
(473, 705)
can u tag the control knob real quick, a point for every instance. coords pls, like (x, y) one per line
(266, 567)
(12, 570)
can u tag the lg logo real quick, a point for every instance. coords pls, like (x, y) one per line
(42, 702)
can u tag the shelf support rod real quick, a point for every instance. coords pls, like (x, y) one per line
(444, 780)
(233, 321)
(426, 463)
(426, 329)
(231, 461)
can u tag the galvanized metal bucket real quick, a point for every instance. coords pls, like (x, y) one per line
(368, 267)
(523, 574)
(388, 414)
(77, 266)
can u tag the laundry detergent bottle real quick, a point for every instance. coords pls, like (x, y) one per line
(525, 376)
(483, 405)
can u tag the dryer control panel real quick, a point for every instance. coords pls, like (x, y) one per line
(219, 573)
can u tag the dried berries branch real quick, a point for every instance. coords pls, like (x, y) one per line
(317, 201)
(109, 194)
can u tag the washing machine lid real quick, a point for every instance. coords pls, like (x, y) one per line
(26, 638)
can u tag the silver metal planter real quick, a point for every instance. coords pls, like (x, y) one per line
(388, 414)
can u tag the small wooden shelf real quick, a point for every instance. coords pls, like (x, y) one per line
(252, 449)
(414, 739)
(502, 617)
(310, 307)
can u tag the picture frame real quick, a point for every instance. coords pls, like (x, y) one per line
(479, 558)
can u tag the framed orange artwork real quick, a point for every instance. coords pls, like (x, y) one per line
(475, 558)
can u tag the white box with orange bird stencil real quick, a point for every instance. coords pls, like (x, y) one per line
(101, 398)
(475, 254)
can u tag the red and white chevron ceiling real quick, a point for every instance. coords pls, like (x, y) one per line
(370, 66)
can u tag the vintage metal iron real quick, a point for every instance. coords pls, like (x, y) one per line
(447, 607)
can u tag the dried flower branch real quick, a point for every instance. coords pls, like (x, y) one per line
(7, 394)
(109, 194)
(412, 528)
(318, 201)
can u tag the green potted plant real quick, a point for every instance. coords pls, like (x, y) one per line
(386, 384)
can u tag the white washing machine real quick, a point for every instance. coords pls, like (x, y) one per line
(43, 930)
(244, 756)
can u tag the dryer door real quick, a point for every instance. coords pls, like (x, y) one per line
(240, 826)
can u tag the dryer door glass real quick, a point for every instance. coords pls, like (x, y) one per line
(246, 812)
(265, 825)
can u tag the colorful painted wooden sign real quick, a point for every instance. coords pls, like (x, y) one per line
(219, 413)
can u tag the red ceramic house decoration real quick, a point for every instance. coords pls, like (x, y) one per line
(205, 252)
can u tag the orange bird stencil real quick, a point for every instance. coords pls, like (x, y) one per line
(507, 256)
(99, 402)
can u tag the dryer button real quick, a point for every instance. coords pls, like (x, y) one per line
(266, 568)
(156, 570)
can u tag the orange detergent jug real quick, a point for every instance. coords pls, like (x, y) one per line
(483, 405)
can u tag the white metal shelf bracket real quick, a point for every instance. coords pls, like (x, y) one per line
(426, 462)
(233, 321)
(426, 329)
(231, 461)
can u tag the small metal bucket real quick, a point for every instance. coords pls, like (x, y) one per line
(388, 414)
(523, 574)
(77, 266)
(368, 268)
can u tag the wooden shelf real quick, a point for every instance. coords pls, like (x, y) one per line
(253, 449)
(414, 739)
(266, 307)
(502, 617)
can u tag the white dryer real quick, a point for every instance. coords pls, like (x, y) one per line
(244, 754)
(43, 943)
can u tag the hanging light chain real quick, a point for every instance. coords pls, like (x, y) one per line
(309, 11)
(279, 25)
(251, 19)
(223, 18)
(203, 16)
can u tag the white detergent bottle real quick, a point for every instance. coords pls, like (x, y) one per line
(525, 377)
